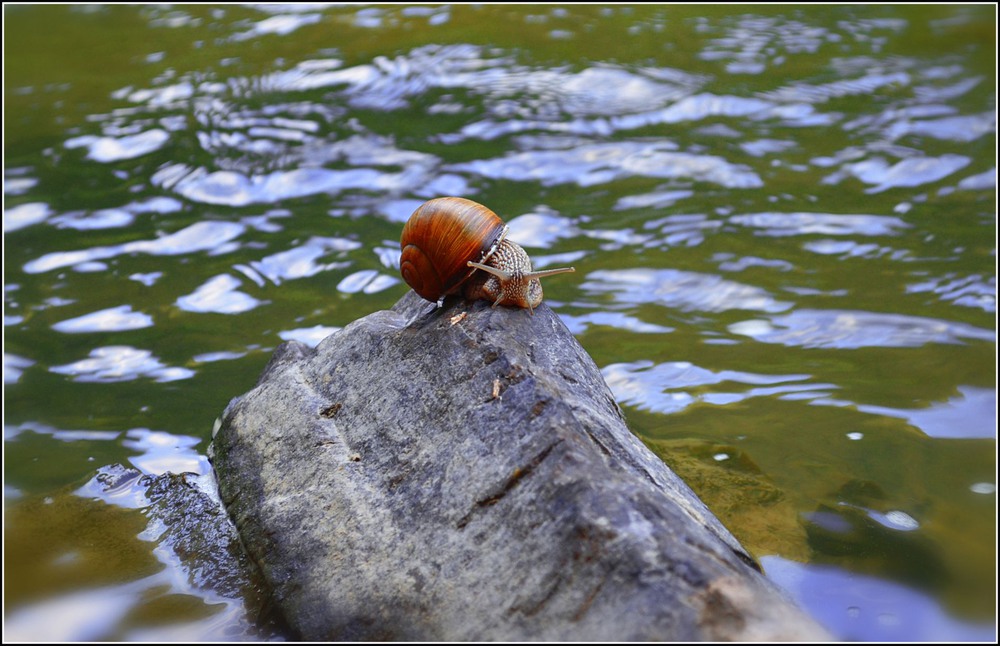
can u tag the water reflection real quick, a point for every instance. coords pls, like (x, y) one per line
(590, 164)
(146, 279)
(852, 249)
(236, 189)
(541, 229)
(656, 200)
(862, 85)
(98, 613)
(962, 128)
(102, 219)
(200, 236)
(618, 320)
(793, 224)
(60, 434)
(970, 414)
(865, 608)
(301, 261)
(114, 218)
(682, 290)
(220, 295)
(281, 25)
(856, 329)
(14, 366)
(112, 319)
(25, 215)
(687, 230)
(895, 519)
(908, 172)
(116, 363)
(752, 44)
(108, 612)
(969, 291)
(984, 181)
(113, 149)
(17, 181)
(368, 281)
(671, 387)
(81, 616)
(161, 452)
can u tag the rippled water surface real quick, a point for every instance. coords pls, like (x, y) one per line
(783, 222)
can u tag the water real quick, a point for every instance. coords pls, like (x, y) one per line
(783, 222)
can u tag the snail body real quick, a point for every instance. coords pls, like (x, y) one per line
(451, 245)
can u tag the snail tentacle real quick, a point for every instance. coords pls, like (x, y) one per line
(549, 272)
(499, 273)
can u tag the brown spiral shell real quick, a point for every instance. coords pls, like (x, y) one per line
(438, 240)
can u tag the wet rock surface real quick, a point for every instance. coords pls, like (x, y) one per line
(464, 473)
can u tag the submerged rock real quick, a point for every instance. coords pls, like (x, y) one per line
(464, 473)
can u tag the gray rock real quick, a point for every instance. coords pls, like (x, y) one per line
(464, 473)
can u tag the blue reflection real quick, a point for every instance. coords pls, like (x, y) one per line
(668, 388)
(842, 329)
(111, 364)
(114, 319)
(683, 290)
(220, 295)
(206, 235)
(855, 607)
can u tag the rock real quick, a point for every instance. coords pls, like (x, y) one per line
(464, 473)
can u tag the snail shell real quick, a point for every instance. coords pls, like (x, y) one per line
(448, 239)
(440, 239)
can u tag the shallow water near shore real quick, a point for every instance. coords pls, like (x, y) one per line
(783, 223)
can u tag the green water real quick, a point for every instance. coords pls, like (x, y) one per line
(783, 222)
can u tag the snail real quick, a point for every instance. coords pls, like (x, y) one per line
(452, 245)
